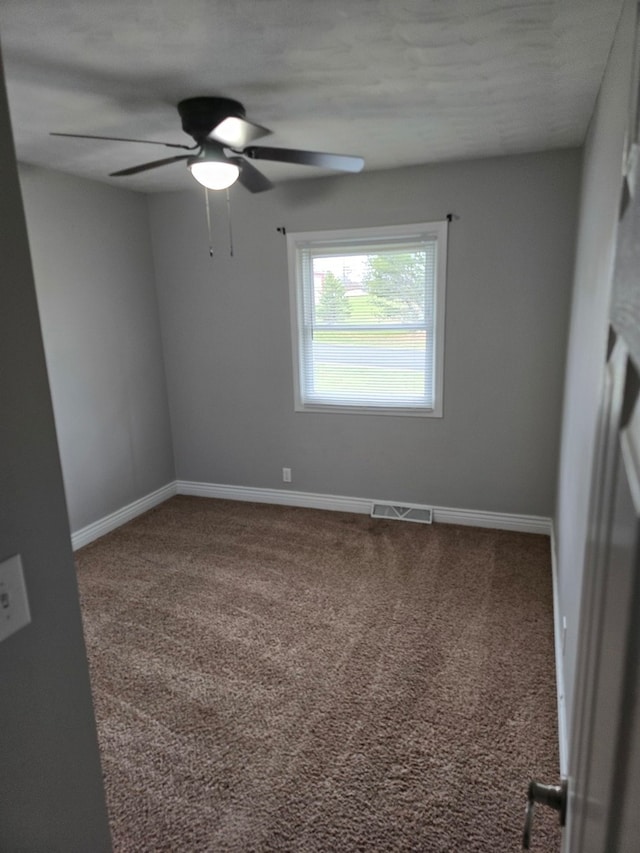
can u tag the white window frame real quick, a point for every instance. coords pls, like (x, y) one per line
(417, 231)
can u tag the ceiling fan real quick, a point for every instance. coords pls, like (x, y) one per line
(223, 137)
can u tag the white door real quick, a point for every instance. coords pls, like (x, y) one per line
(603, 788)
(604, 780)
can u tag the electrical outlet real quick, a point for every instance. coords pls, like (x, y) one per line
(286, 475)
(14, 606)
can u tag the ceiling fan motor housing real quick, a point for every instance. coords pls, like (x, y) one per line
(200, 115)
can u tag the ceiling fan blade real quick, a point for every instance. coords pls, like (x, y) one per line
(125, 139)
(340, 162)
(237, 132)
(250, 177)
(154, 164)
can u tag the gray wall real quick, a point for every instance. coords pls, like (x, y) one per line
(228, 347)
(51, 795)
(93, 267)
(601, 186)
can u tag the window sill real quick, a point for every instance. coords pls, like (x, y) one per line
(387, 411)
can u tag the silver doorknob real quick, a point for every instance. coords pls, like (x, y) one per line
(554, 796)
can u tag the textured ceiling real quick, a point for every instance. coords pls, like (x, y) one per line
(397, 81)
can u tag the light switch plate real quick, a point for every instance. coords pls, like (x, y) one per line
(14, 606)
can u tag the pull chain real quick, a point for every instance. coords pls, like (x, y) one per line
(230, 228)
(206, 196)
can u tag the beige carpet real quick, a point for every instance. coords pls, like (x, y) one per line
(278, 679)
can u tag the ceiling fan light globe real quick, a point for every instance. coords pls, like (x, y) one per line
(214, 174)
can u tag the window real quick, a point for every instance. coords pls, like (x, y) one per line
(367, 309)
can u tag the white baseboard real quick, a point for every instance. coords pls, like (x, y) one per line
(121, 516)
(312, 500)
(563, 741)
(495, 520)
(444, 515)
(284, 497)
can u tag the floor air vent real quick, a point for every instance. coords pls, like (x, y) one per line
(402, 512)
